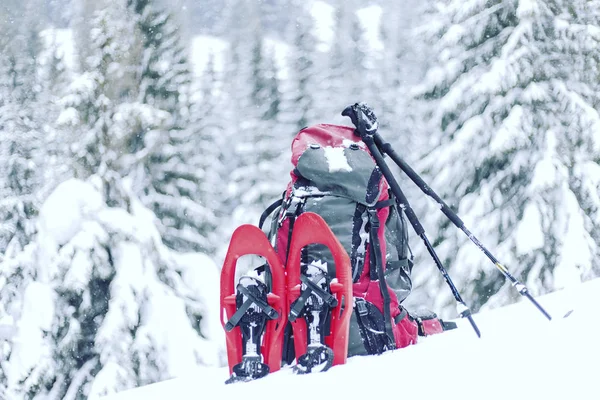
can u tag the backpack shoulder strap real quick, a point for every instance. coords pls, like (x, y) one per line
(268, 211)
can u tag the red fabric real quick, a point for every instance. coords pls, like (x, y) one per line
(323, 135)
(405, 332)
(431, 326)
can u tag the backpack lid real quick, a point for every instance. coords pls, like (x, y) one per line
(337, 163)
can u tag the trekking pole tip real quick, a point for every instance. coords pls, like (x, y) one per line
(465, 312)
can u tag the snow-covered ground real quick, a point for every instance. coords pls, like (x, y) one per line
(521, 355)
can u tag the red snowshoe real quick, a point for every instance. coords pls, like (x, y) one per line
(254, 315)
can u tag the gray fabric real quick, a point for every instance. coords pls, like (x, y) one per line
(396, 236)
(351, 183)
(338, 212)
(397, 276)
(356, 346)
(399, 258)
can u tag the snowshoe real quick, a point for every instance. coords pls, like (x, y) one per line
(317, 311)
(251, 316)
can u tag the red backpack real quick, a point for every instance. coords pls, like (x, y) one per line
(335, 176)
(337, 266)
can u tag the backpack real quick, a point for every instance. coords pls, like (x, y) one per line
(335, 176)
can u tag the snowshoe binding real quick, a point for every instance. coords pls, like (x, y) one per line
(251, 315)
(314, 305)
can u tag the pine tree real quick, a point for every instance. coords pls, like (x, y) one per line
(303, 66)
(206, 154)
(170, 185)
(257, 124)
(92, 294)
(100, 304)
(518, 128)
(21, 153)
(54, 76)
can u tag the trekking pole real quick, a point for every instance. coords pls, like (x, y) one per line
(386, 148)
(366, 126)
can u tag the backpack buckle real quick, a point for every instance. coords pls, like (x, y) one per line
(361, 307)
(290, 208)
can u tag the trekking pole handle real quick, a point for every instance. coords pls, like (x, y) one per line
(363, 118)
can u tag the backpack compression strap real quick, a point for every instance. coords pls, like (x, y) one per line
(377, 273)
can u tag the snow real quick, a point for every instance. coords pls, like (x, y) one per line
(62, 40)
(200, 274)
(529, 235)
(29, 348)
(203, 48)
(336, 159)
(324, 16)
(66, 208)
(577, 256)
(521, 355)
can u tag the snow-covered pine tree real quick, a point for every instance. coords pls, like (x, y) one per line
(99, 303)
(403, 65)
(21, 153)
(256, 135)
(304, 70)
(206, 154)
(170, 184)
(517, 149)
(54, 75)
(270, 139)
(341, 89)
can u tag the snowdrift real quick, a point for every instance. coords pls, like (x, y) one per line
(521, 355)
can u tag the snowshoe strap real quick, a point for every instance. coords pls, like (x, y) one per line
(311, 287)
(251, 299)
(267, 309)
(322, 293)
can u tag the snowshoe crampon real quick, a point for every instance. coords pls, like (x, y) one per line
(249, 369)
(317, 358)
